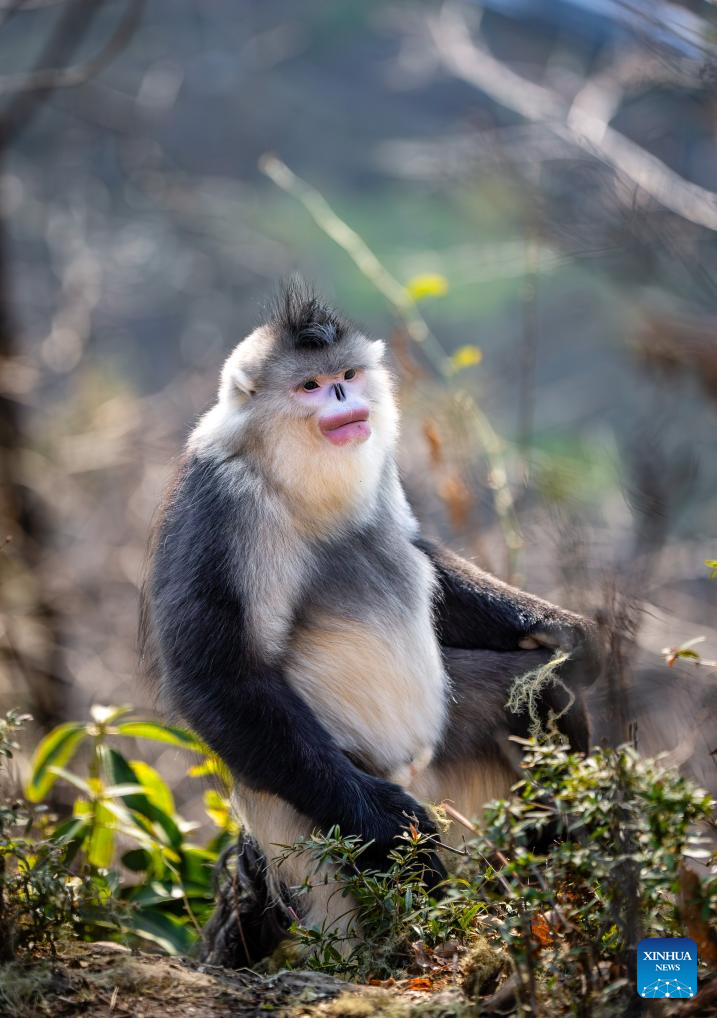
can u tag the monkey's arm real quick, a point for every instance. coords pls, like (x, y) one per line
(474, 610)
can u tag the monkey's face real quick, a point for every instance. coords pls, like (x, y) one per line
(299, 408)
(338, 404)
(312, 407)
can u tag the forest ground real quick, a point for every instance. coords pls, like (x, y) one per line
(105, 979)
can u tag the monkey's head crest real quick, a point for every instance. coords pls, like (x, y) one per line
(302, 321)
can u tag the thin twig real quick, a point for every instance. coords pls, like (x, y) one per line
(360, 253)
(450, 848)
(49, 78)
(453, 813)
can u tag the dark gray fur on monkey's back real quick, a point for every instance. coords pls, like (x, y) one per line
(247, 925)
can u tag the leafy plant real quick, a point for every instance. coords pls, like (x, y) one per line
(38, 895)
(616, 829)
(72, 873)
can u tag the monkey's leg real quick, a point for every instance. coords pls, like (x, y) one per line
(256, 905)
(248, 922)
(476, 761)
(479, 721)
(276, 825)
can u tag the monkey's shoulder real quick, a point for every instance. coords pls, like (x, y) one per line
(216, 502)
(196, 537)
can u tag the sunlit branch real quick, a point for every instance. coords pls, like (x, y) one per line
(586, 129)
(360, 253)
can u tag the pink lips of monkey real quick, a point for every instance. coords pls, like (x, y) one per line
(349, 426)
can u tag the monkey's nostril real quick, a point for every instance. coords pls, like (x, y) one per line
(339, 391)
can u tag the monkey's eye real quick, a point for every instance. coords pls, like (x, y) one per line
(351, 373)
(310, 385)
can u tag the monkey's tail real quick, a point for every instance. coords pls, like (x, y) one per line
(249, 921)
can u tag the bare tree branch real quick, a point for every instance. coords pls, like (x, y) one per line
(52, 72)
(585, 128)
(360, 253)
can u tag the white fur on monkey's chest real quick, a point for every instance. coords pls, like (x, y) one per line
(378, 687)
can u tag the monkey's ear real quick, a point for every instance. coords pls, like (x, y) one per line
(241, 368)
(378, 349)
(236, 385)
(241, 383)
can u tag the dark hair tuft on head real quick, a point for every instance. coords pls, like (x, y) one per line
(303, 320)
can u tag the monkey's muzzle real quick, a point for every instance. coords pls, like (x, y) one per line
(347, 426)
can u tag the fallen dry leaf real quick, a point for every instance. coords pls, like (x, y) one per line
(541, 930)
(420, 983)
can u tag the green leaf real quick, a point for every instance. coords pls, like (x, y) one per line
(122, 772)
(711, 564)
(71, 834)
(75, 780)
(163, 929)
(197, 868)
(55, 750)
(137, 859)
(156, 892)
(101, 842)
(218, 809)
(214, 766)
(68, 830)
(154, 785)
(162, 733)
(121, 791)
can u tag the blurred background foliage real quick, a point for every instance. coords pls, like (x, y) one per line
(537, 176)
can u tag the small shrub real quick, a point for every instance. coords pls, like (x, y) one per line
(38, 895)
(394, 908)
(571, 917)
(566, 920)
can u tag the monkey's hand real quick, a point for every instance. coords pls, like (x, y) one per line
(575, 635)
(389, 816)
